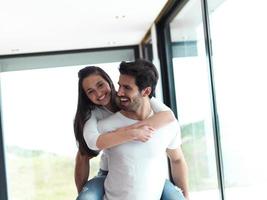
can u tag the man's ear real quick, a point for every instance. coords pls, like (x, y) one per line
(146, 91)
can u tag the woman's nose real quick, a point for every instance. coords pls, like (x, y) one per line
(98, 93)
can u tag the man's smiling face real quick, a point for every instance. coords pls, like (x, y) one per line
(130, 98)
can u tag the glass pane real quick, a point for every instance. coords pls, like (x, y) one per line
(239, 57)
(38, 108)
(147, 50)
(193, 101)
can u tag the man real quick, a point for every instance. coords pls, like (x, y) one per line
(136, 169)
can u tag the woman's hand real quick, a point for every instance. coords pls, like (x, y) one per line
(140, 132)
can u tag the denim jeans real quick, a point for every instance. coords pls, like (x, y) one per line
(171, 192)
(94, 189)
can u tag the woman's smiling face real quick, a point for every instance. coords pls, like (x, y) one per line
(97, 89)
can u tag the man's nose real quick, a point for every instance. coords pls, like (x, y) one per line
(120, 92)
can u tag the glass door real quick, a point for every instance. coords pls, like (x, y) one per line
(238, 34)
(192, 88)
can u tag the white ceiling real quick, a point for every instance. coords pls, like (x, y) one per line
(28, 26)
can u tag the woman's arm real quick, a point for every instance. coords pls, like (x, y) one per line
(81, 173)
(158, 120)
(141, 131)
(119, 136)
(163, 115)
(98, 141)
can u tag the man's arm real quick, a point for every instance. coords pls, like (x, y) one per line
(179, 170)
(82, 169)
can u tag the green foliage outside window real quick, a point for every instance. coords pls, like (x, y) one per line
(201, 174)
(37, 175)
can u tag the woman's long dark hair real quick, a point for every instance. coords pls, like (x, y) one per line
(85, 106)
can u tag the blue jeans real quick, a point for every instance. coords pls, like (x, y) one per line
(94, 189)
(170, 192)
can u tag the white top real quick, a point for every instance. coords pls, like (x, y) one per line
(90, 132)
(136, 169)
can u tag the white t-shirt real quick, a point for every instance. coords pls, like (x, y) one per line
(90, 132)
(136, 169)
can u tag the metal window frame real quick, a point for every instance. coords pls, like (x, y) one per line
(3, 180)
(165, 55)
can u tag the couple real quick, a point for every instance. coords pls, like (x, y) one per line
(135, 140)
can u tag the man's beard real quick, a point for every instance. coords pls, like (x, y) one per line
(131, 107)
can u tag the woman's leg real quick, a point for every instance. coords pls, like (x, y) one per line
(94, 188)
(171, 192)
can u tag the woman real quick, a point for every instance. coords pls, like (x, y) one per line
(97, 100)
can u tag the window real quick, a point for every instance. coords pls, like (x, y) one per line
(38, 111)
(239, 39)
(38, 106)
(191, 77)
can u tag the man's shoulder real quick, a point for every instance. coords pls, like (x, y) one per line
(174, 123)
(171, 125)
(172, 128)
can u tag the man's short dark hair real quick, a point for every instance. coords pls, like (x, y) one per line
(144, 72)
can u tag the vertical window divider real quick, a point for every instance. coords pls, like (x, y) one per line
(215, 120)
(165, 57)
(3, 180)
